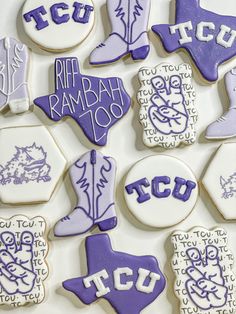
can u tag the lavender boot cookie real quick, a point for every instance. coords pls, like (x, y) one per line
(225, 126)
(129, 20)
(93, 178)
(14, 59)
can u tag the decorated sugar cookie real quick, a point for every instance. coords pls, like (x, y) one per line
(202, 263)
(129, 283)
(14, 61)
(31, 165)
(160, 191)
(167, 113)
(225, 126)
(129, 21)
(93, 178)
(95, 103)
(23, 268)
(220, 180)
(208, 37)
(58, 25)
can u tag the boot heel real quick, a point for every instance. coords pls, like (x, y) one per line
(107, 224)
(140, 53)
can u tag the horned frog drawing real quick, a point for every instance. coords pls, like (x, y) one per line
(27, 165)
(228, 186)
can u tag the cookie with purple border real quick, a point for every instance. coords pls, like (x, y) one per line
(203, 263)
(129, 283)
(129, 21)
(95, 103)
(208, 37)
(23, 268)
(93, 179)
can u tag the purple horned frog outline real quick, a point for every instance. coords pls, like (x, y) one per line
(168, 113)
(206, 284)
(17, 273)
(27, 165)
(228, 186)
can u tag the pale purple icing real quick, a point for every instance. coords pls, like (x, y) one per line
(129, 20)
(14, 59)
(129, 297)
(93, 179)
(96, 104)
(210, 38)
(225, 126)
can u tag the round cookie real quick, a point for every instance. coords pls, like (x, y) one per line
(58, 26)
(23, 266)
(220, 180)
(31, 165)
(160, 191)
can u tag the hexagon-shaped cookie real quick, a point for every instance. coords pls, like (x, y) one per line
(31, 165)
(220, 180)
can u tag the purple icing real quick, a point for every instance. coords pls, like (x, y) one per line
(225, 126)
(168, 113)
(129, 19)
(17, 274)
(228, 186)
(124, 292)
(93, 178)
(156, 187)
(57, 18)
(77, 12)
(96, 104)
(138, 187)
(36, 15)
(179, 184)
(208, 37)
(28, 164)
(206, 284)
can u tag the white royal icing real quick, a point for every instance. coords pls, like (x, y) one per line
(167, 99)
(62, 24)
(160, 191)
(23, 267)
(202, 263)
(220, 180)
(31, 164)
(97, 280)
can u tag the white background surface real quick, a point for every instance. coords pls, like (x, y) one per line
(66, 257)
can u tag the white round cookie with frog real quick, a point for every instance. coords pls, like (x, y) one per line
(31, 165)
(220, 180)
(202, 263)
(161, 191)
(23, 268)
(58, 25)
(167, 99)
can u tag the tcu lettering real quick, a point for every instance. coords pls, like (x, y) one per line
(81, 14)
(126, 284)
(182, 189)
(204, 32)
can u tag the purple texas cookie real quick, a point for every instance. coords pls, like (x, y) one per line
(93, 178)
(208, 37)
(129, 283)
(14, 60)
(129, 20)
(96, 104)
